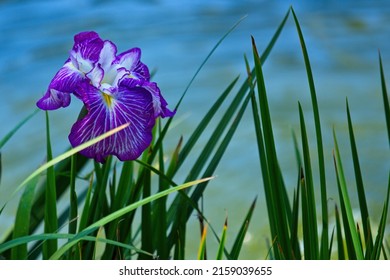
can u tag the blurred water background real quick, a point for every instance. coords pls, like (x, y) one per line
(343, 38)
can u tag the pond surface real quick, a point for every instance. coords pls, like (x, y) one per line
(343, 38)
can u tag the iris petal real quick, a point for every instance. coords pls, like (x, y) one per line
(53, 99)
(131, 61)
(159, 103)
(61, 86)
(85, 52)
(88, 44)
(107, 55)
(96, 75)
(132, 106)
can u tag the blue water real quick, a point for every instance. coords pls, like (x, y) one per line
(343, 38)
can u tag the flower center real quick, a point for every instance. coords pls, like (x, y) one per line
(107, 99)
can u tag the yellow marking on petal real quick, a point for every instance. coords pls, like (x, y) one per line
(107, 99)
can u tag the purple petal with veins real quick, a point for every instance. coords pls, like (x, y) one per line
(106, 112)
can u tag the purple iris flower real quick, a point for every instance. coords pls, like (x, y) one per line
(115, 90)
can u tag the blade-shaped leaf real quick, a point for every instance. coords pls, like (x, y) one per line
(360, 187)
(237, 245)
(385, 97)
(50, 218)
(222, 242)
(320, 150)
(344, 198)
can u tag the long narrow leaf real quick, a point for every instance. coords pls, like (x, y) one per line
(121, 212)
(44, 237)
(340, 241)
(320, 149)
(66, 155)
(239, 241)
(346, 201)
(385, 97)
(168, 123)
(146, 217)
(276, 180)
(202, 245)
(22, 219)
(382, 227)
(8, 136)
(222, 242)
(50, 219)
(309, 213)
(360, 187)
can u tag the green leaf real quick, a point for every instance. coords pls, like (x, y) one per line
(202, 245)
(146, 217)
(100, 246)
(198, 132)
(344, 198)
(340, 241)
(159, 214)
(8, 136)
(277, 199)
(360, 187)
(295, 218)
(87, 207)
(168, 123)
(385, 97)
(222, 242)
(382, 227)
(237, 245)
(320, 150)
(117, 214)
(50, 216)
(73, 204)
(22, 220)
(309, 213)
(66, 155)
(44, 237)
(180, 209)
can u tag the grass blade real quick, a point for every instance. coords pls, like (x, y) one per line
(309, 213)
(160, 213)
(221, 246)
(73, 204)
(87, 207)
(360, 187)
(50, 217)
(277, 190)
(99, 245)
(237, 245)
(169, 121)
(146, 225)
(44, 237)
(382, 227)
(180, 206)
(22, 220)
(67, 155)
(320, 150)
(295, 219)
(8, 136)
(203, 124)
(340, 241)
(202, 245)
(344, 198)
(117, 214)
(385, 97)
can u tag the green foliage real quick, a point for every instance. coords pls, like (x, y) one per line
(283, 219)
(122, 210)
